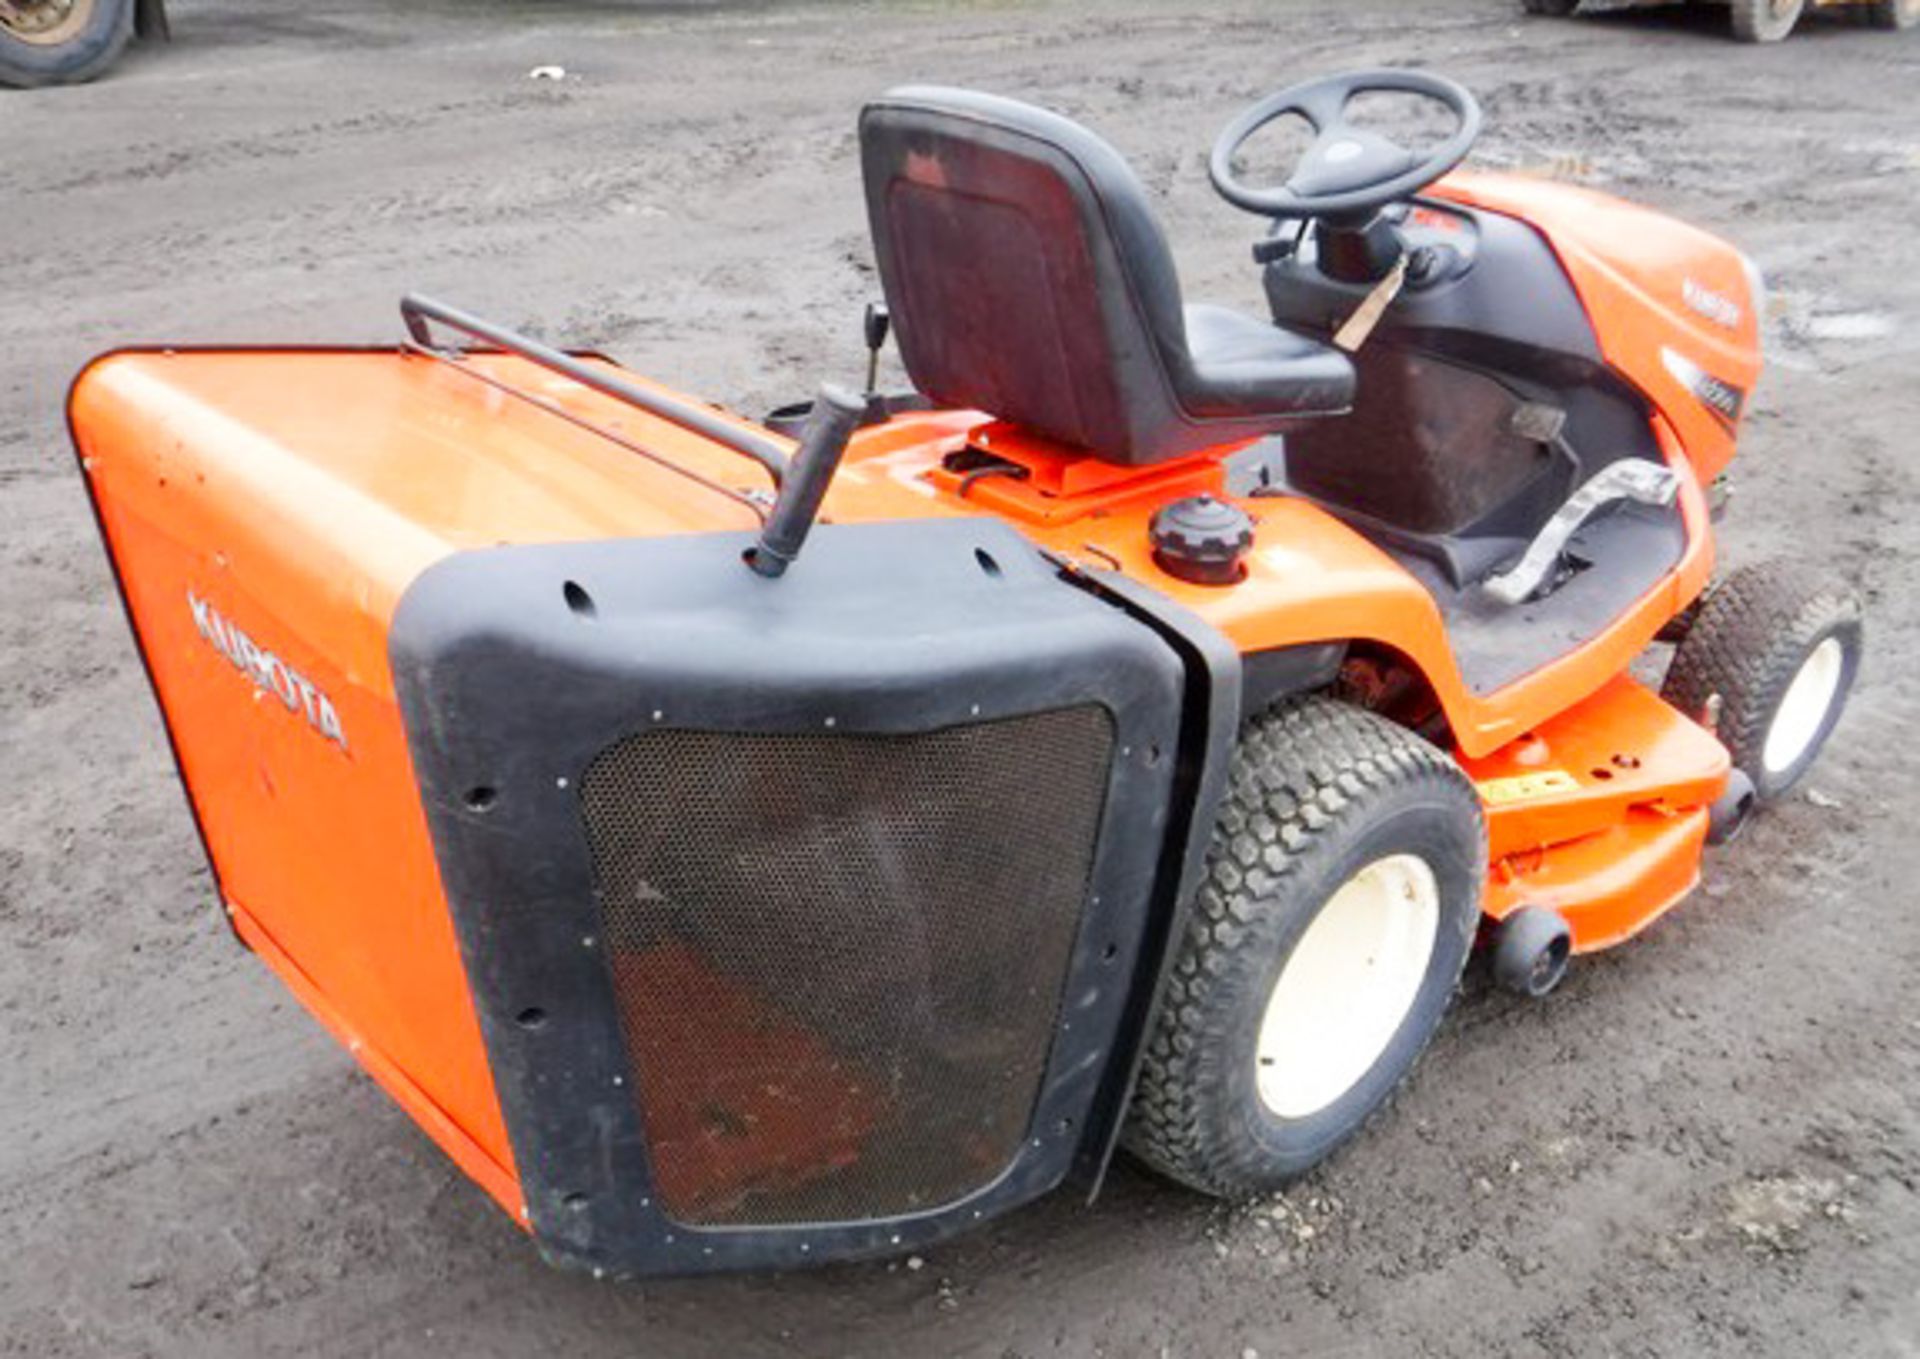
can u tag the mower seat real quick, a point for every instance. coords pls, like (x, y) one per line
(1028, 279)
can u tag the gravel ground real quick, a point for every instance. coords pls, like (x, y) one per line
(1707, 1143)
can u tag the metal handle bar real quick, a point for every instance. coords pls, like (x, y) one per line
(418, 312)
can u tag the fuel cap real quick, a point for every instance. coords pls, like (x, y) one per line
(1201, 539)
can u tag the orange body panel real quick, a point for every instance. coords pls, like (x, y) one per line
(299, 506)
(1622, 748)
(1609, 885)
(1310, 578)
(1650, 285)
(268, 510)
(1600, 813)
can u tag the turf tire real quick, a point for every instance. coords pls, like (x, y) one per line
(1318, 791)
(1754, 632)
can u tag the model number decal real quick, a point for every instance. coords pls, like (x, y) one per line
(268, 672)
(1723, 400)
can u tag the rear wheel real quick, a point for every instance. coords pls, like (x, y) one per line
(52, 42)
(1779, 648)
(1894, 13)
(1765, 20)
(1342, 893)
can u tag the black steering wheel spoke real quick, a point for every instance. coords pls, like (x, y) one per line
(1347, 170)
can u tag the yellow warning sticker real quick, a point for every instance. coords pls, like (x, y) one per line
(1525, 787)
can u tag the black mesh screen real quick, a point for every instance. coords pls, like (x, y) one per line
(838, 958)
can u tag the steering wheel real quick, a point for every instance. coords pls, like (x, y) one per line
(1348, 170)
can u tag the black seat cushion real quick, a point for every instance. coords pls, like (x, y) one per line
(1240, 363)
(1027, 278)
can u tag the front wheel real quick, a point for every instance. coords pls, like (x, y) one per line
(1342, 893)
(1776, 648)
(1765, 20)
(61, 42)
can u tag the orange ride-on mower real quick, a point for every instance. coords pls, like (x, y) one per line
(743, 845)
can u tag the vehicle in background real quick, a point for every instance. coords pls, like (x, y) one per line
(63, 42)
(1772, 20)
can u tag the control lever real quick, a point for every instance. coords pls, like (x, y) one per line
(879, 321)
(834, 416)
(1268, 249)
(1635, 479)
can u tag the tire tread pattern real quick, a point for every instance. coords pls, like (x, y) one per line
(1299, 769)
(1746, 644)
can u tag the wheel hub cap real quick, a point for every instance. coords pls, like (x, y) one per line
(1804, 709)
(44, 22)
(1348, 986)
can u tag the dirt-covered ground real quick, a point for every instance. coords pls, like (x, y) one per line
(1706, 1143)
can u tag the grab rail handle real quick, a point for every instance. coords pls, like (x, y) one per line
(420, 313)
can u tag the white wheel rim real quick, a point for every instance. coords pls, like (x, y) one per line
(1348, 986)
(1804, 710)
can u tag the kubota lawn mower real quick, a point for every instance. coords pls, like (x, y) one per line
(1163, 702)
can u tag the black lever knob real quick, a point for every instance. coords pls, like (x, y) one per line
(878, 322)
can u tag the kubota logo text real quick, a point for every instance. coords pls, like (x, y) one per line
(268, 672)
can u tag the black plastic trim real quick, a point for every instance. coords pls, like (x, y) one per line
(1209, 729)
(879, 628)
(1269, 676)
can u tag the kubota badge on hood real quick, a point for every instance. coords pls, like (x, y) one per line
(267, 671)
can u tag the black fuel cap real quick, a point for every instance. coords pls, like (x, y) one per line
(1201, 539)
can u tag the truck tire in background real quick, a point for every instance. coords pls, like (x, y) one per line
(60, 42)
(1894, 13)
(1765, 20)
